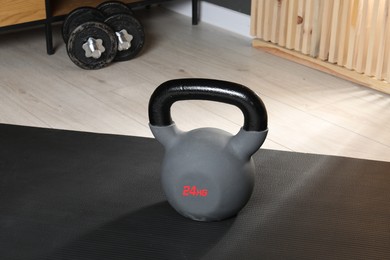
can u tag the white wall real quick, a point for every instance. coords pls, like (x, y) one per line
(216, 15)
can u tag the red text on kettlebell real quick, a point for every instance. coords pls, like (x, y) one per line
(193, 191)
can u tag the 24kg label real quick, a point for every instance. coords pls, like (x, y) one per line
(194, 191)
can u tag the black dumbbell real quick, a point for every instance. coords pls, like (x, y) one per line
(91, 44)
(128, 29)
(114, 7)
(79, 16)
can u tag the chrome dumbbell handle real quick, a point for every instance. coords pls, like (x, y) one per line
(93, 48)
(124, 40)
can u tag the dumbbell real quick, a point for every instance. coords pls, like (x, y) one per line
(127, 28)
(114, 7)
(90, 43)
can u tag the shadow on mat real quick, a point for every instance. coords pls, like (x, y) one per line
(154, 232)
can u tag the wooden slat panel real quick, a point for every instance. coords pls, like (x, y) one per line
(383, 26)
(283, 22)
(386, 65)
(361, 50)
(351, 33)
(307, 27)
(254, 17)
(334, 35)
(325, 30)
(387, 78)
(260, 18)
(318, 6)
(291, 24)
(372, 39)
(344, 32)
(267, 20)
(353, 30)
(275, 21)
(300, 23)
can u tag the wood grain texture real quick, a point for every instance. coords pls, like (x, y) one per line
(284, 4)
(335, 32)
(301, 21)
(352, 34)
(291, 24)
(344, 32)
(361, 42)
(62, 7)
(14, 12)
(372, 48)
(21, 11)
(260, 17)
(254, 17)
(387, 47)
(325, 30)
(309, 111)
(318, 7)
(307, 27)
(276, 11)
(383, 32)
(267, 24)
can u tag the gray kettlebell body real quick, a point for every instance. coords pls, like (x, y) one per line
(207, 174)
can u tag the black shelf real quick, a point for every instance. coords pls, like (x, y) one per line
(50, 19)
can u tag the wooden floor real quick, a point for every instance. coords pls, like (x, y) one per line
(309, 111)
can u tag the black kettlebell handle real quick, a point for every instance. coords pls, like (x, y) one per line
(255, 113)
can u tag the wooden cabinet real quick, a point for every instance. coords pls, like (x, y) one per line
(21, 11)
(14, 12)
(61, 7)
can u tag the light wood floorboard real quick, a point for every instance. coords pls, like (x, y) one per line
(309, 111)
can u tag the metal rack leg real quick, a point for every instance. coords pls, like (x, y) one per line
(48, 29)
(195, 11)
(49, 39)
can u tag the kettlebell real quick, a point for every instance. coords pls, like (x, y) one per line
(207, 173)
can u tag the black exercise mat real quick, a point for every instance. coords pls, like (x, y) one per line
(73, 195)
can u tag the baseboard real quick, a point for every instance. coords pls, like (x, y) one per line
(216, 15)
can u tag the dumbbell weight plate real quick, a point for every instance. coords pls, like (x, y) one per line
(92, 45)
(79, 16)
(113, 7)
(129, 31)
